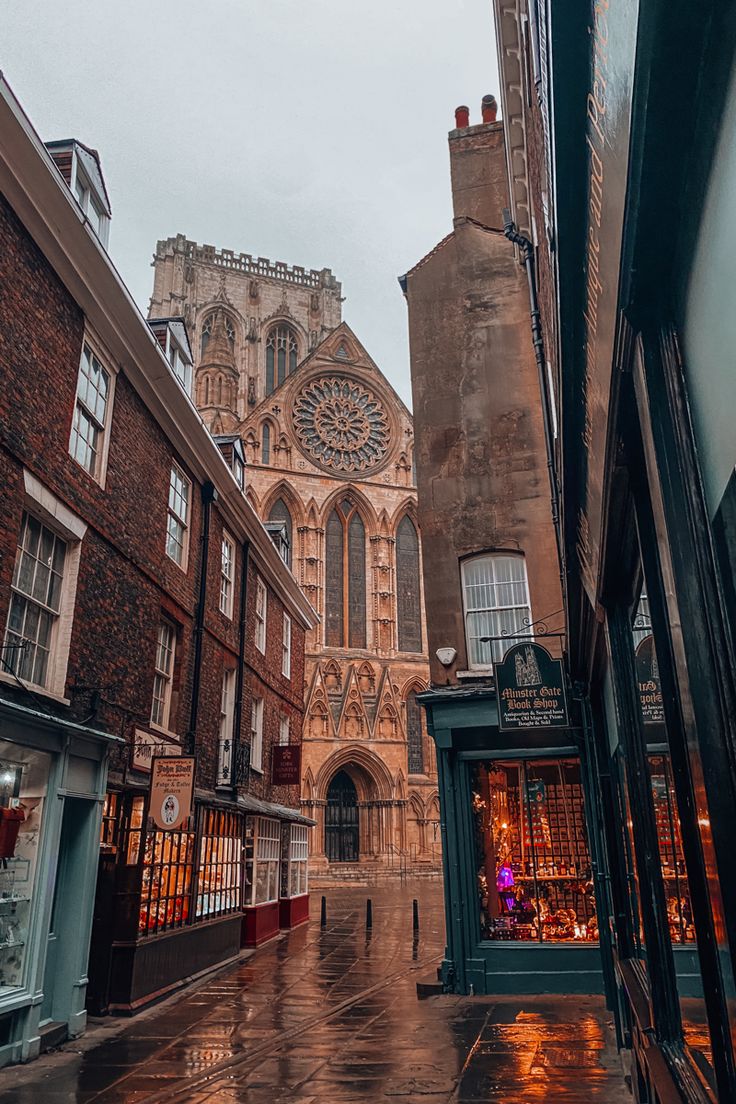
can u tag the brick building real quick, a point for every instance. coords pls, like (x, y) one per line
(329, 450)
(520, 907)
(145, 611)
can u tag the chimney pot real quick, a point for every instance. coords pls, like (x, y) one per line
(489, 109)
(462, 117)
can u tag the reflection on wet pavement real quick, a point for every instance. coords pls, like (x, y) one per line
(330, 1016)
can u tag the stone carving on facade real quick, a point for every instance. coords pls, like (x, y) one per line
(341, 424)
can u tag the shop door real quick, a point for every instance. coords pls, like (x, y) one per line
(341, 820)
(63, 966)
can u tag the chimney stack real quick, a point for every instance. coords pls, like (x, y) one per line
(478, 166)
(462, 117)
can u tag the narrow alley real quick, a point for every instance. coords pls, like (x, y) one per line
(332, 1015)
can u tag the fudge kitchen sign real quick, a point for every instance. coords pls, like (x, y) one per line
(530, 685)
(172, 787)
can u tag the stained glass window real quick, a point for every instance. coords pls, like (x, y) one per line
(407, 587)
(414, 734)
(266, 444)
(334, 576)
(345, 578)
(281, 356)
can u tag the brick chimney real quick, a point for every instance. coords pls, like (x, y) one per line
(478, 166)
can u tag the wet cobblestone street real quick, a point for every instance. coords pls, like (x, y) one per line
(330, 1016)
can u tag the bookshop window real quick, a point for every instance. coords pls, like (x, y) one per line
(168, 861)
(220, 850)
(679, 910)
(262, 855)
(108, 827)
(533, 864)
(298, 858)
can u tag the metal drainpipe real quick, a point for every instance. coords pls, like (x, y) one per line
(240, 677)
(527, 253)
(208, 497)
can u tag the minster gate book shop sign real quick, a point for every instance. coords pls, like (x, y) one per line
(531, 689)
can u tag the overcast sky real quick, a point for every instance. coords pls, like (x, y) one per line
(307, 131)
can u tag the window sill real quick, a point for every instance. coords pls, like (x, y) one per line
(40, 691)
(479, 673)
(164, 732)
(256, 770)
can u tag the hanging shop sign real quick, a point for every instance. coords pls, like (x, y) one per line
(286, 765)
(172, 787)
(146, 745)
(647, 678)
(530, 685)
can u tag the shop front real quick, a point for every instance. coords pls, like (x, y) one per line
(276, 883)
(52, 783)
(520, 862)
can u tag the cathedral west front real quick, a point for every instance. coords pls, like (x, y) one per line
(328, 449)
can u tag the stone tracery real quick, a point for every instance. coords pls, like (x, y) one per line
(341, 424)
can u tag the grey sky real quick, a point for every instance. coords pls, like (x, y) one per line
(307, 131)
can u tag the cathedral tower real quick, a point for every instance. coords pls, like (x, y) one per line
(329, 452)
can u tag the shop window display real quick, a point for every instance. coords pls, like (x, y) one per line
(298, 858)
(534, 872)
(168, 860)
(219, 874)
(679, 911)
(262, 856)
(23, 786)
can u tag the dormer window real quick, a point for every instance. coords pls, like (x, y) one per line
(181, 366)
(80, 168)
(95, 216)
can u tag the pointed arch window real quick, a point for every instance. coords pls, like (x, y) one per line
(266, 444)
(414, 733)
(345, 612)
(407, 587)
(281, 356)
(207, 330)
(280, 512)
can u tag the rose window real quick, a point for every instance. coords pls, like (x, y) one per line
(341, 424)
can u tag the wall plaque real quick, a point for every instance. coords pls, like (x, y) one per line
(530, 685)
(172, 786)
(647, 678)
(286, 764)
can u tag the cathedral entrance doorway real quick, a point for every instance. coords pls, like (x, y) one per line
(341, 820)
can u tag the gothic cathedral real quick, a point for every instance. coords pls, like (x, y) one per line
(328, 446)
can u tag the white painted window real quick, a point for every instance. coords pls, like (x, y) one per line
(496, 604)
(227, 574)
(35, 603)
(284, 730)
(227, 708)
(298, 860)
(163, 675)
(261, 612)
(87, 443)
(177, 527)
(286, 647)
(256, 734)
(267, 861)
(180, 364)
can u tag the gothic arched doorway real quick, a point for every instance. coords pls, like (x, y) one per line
(341, 820)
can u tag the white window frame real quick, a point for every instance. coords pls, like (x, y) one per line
(284, 730)
(180, 363)
(88, 199)
(163, 674)
(175, 519)
(261, 615)
(266, 852)
(227, 574)
(45, 507)
(226, 740)
(492, 620)
(102, 426)
(299, 859)
(256, 735)
(286, 647)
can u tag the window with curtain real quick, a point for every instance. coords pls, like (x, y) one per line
(407, 587)
(345, 611)
(280, 512)
(496, 604)
(281, 356)
(414, 734)
(266, 444)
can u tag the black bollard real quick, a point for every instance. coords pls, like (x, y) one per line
(369, 914)
(415, 915)
(323, 914)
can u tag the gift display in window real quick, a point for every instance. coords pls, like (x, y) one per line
(220, 852)
(167, 880)
(23, 786)
(679, 910)
(534, 873)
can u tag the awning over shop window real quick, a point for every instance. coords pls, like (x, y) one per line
(270, 809)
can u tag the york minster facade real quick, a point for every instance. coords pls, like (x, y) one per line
(328, 447)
